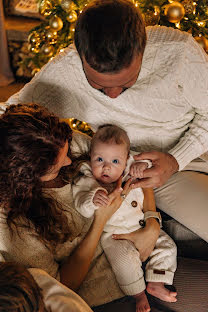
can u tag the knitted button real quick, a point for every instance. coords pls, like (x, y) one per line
(134, 203)
(142, 223)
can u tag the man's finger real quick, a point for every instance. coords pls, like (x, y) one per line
(145, 182)
(146, 155)
(151, 172)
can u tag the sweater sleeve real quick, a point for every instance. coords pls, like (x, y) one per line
(56, 296)
(83, 192)
(80, 143)
(195, 89)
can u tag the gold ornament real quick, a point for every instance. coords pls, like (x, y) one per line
(174, 12)
(56, 23)
(51, 36)
(72, 16)
(152, 17)
(72, 29)
(33, 49)
(45, 7)
(188, 6)
(203, 42)
(35, 71)
(34, 38)
(68, 5)
(78, 125)
(47, 49)
(201, 23)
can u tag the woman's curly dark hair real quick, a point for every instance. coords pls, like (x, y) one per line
(30, 140)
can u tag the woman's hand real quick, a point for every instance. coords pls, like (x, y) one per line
(115, 200)
(74, 270)
(145, 238)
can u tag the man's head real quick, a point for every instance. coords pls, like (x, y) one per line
(109, 153)
(110, 38)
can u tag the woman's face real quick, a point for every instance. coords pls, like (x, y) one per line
(62, 161)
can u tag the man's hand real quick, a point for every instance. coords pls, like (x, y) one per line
(164, 165)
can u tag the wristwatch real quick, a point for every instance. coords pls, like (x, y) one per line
(153, 214)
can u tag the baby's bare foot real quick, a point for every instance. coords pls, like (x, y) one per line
(142, 304)
(158, 290)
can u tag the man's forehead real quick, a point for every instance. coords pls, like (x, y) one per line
(110, 80)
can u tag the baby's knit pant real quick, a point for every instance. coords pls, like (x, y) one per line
(126, 264)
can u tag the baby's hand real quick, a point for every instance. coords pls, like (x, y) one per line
(100, 198)
(137, 169)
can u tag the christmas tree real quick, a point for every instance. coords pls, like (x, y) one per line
(57, 30)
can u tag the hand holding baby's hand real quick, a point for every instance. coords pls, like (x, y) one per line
(101, 198)
(137, 169)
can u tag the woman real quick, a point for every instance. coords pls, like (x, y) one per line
(39, 226)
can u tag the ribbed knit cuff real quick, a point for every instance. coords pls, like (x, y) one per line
(88, 208)
(184, 152)
(166, 278)
(134, 288)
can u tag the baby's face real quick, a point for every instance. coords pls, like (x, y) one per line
(108, 161)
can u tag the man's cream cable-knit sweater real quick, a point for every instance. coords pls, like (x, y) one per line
(166, 109)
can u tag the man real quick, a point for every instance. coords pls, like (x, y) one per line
(157, 90)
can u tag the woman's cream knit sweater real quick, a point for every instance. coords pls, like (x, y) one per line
(100, 285)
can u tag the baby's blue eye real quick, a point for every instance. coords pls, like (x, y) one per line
(99, 159)
(115, 161)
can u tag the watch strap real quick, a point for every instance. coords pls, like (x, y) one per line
(153, 214)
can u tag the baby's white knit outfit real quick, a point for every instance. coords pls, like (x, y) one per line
(122, 254)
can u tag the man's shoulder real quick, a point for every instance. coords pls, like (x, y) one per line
(68, 57)
(163, 34)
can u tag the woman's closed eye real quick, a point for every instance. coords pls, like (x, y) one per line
(115, 161)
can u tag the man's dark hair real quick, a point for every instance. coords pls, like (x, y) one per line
(109, 34)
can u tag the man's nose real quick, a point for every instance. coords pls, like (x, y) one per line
(113, 92)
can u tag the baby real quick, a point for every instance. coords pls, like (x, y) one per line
(109, 160)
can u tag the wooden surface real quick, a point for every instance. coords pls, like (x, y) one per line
(6, 92)
(17, 28)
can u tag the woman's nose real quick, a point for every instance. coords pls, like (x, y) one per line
(67, 161)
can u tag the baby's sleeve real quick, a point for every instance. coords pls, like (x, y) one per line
(83, 193)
